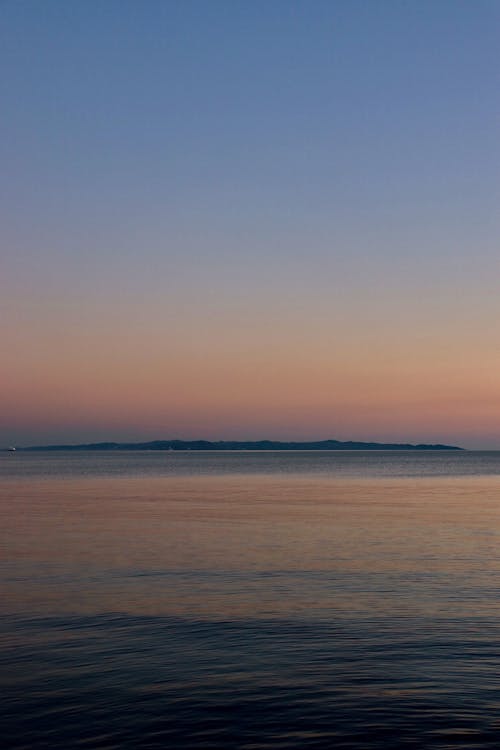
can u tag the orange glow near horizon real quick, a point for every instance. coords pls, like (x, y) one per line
(283, 382)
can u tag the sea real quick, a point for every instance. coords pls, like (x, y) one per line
(250, 600)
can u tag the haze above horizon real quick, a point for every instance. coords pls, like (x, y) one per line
(228, 220)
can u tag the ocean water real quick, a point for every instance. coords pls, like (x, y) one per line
(250, 600)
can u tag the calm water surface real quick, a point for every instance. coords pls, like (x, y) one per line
(250, 600)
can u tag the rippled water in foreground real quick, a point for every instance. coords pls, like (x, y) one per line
(250, 600)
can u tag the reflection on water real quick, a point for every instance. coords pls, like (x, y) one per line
(257, 610)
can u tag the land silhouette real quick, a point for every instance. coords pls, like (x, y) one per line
(244, 445)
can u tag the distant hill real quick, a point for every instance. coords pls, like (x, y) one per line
(245, 445)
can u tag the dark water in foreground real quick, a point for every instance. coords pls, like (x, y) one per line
(250, 601)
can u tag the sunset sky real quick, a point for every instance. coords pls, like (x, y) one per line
(250, 219)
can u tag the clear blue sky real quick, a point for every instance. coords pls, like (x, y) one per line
(245, 219)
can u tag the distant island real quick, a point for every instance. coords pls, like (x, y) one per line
(244, 445)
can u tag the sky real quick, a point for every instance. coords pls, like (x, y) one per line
(250, 219)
